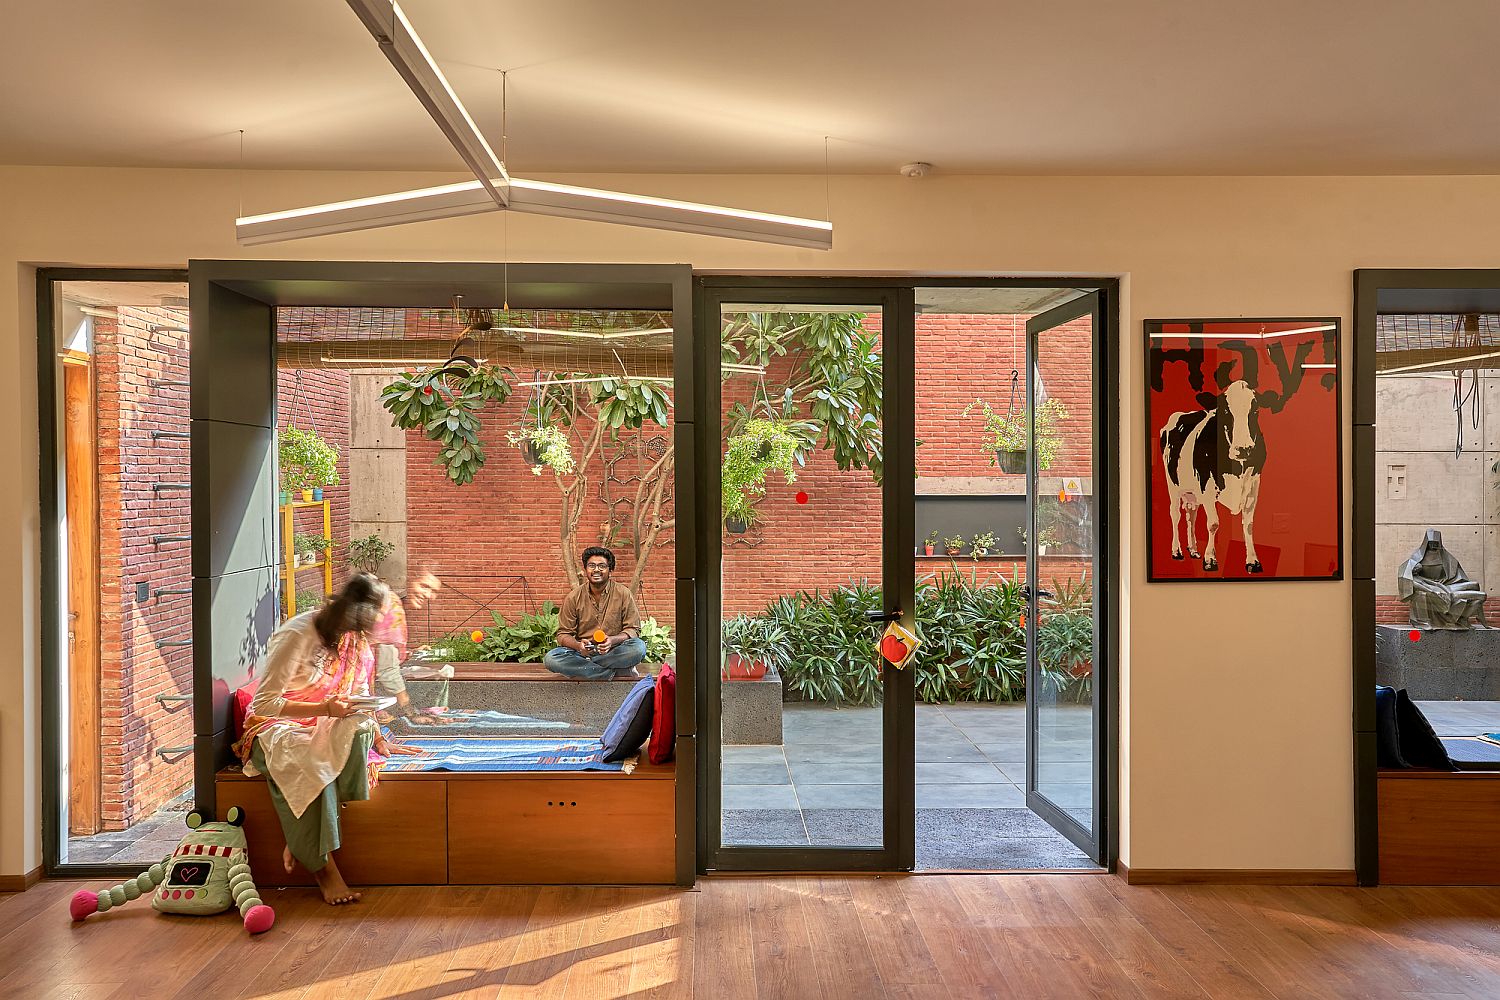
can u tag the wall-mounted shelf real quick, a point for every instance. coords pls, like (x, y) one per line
(288, 513)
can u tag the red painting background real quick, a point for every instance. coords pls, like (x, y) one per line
(1297, 521)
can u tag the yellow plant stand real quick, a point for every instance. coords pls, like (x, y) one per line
(288, 554)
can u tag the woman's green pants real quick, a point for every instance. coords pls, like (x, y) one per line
(315, 834)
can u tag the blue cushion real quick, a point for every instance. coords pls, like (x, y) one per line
(631, 724)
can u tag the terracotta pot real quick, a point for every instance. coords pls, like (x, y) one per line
(927, 549)
(741, 668)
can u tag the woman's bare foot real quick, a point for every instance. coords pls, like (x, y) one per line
(287, 861)
(336, 891)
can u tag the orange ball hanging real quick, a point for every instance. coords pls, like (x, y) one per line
(477, 635)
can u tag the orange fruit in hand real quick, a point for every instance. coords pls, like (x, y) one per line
(477, 635)
(599, 635)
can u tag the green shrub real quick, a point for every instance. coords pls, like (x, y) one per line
(974, 642)
(659, 643)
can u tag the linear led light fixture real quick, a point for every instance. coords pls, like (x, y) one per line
(536, 197)
(1243, 336)
(399, 41)
(1457, 362)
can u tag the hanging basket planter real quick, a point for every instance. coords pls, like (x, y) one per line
(1011, 462)
(530, 453)
(736, 525)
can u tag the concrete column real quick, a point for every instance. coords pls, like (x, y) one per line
(377, 472)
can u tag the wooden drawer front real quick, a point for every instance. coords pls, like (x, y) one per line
(558, 832)
(398, 837)
(1440, 830)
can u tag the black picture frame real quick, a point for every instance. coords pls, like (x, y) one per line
(1204, 326)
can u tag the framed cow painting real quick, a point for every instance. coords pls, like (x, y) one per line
(1243, 449)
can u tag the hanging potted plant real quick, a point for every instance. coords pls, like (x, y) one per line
(1005, 434)
(761, 447)
(307, 462)
(544, 446)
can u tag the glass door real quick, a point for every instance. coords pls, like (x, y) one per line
(806, 727)
(1065, 724)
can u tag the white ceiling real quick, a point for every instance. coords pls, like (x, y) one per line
(974, 86)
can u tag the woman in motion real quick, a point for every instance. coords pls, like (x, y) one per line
(307, 732)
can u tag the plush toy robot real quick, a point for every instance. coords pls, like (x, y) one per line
(208, 873)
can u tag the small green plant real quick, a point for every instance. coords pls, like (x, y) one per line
(1045, 538)
(310, 545)
(932, 538)
(763, 446)
(306, 461)
(549, 446)
(308, 600)
(954, 544)
(1006, 432)
(983, 542)
(367, 553)
(659, 643)
(755, 639)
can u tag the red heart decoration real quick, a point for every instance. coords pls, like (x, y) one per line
(893, 649)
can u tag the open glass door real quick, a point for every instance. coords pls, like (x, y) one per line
(1065, 724)
(806, 730)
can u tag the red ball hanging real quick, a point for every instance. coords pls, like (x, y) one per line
(801, 497)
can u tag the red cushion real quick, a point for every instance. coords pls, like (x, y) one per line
(664, 721)
(241, 707)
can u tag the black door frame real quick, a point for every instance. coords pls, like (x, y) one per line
(50, 600)
(1091, 842)
(1368, 284)
(900, 816)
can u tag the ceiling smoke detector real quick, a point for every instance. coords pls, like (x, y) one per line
(918, 169)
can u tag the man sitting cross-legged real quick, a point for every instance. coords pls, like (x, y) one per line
(599, 628)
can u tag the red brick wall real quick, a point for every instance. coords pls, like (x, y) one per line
(505, 524)
(133, 726)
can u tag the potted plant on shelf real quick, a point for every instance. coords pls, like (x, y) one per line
(307, 462)
(954, 544)
(367, 553)
(931, 543)
(982, 544)
(1005, 434)
(304, 550)
(751, 646)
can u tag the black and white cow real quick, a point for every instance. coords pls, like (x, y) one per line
(1212, 457)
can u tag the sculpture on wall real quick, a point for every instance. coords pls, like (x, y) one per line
(1436, 588)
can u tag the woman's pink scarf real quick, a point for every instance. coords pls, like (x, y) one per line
(348, 672)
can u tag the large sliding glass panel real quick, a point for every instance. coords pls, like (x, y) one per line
(1437, 518)
(803, 685)
(125, 740)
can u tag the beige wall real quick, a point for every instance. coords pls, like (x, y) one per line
(1219, 771)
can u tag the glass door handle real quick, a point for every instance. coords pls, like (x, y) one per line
(1026, 593)
(884, 616)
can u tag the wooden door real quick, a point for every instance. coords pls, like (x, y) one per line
(81, 484)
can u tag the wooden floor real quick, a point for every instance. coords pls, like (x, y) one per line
(937, 937)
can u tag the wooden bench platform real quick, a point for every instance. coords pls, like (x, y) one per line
(440, 828)
(1439, 827)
